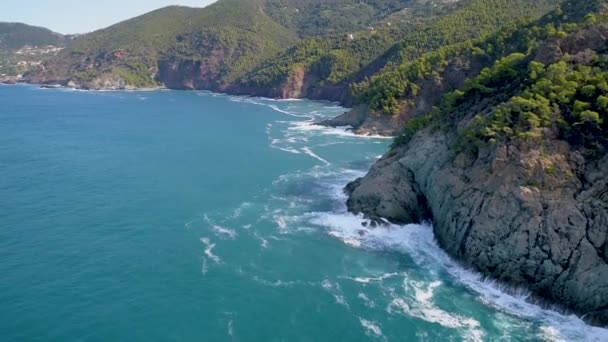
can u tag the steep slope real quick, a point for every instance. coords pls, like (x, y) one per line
(260, 47)
(202, 48)
(330, 64)
(511, 167)
(192, 47)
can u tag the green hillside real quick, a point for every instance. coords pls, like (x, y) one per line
(311, 18)
(262, 47)
(340, 60)
(17, 35)
(548, 77)
(236, 34)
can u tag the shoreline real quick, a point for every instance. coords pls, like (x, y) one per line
(324, 123)
(485, 283)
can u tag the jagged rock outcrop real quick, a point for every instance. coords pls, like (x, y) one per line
(363, 122)
(530, 210)
(530, 215)
(188, 74)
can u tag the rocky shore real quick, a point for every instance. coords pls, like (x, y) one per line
(502, 213)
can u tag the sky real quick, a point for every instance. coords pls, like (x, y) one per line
(79, 16)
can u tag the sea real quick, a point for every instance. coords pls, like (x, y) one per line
(194, 216)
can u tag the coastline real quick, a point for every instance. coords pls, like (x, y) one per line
(311, 125)
(357, 120)
(400, 236)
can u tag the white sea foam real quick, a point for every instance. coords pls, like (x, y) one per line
(421, 306)
(418, 242)
(309, 152)
(326, 284)
(276, 108)
(309, 126)
(286, 149)
(204, 268)
(368, 280)
(371, 327)
(219, 230)
(336, 292)
(341, 300)
(276, 283)
(223, 231)
(263, 241)
(209, 246)
(239, 210)
(280, 221)
(368, 302)
(263, 102)
(231, 328)
(189, 224)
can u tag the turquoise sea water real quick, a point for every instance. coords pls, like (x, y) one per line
(184, 216)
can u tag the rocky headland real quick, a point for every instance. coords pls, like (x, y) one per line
(531, 209)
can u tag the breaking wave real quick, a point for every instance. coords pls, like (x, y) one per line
(417, 241)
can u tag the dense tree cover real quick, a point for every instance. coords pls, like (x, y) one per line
(247, 37)
(311, 18)
(340, 60)
(464, 31)
(570, 96)
(17, 35)
(520, 98)
(235, 32)
(241, 33)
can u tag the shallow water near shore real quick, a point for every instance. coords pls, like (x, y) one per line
(182, 216)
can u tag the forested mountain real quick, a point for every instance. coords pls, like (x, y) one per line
(331, 64)
(311, 18)
(219, 43)
(226, 37)
(17, 35)
(278, 48)
(508, 154)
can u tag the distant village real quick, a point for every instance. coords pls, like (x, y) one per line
(14, 64)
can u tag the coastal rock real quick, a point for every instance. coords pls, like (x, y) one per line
(528, 215)
(188, 74)
(352, 118)
(363, 122)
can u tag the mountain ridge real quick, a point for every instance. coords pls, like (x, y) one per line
(15, 35)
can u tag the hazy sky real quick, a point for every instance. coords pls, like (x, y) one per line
(80, 16)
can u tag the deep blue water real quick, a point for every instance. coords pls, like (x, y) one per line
(185, 216)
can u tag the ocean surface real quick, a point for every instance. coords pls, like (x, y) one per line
(191, 216)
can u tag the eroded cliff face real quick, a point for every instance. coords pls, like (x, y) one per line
(533, 215)
(188, 75)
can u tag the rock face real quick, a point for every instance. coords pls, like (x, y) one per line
(188, 75)
(364, 123)
(528, 215)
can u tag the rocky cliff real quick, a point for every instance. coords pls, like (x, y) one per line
(525, 201)
(503, 213)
